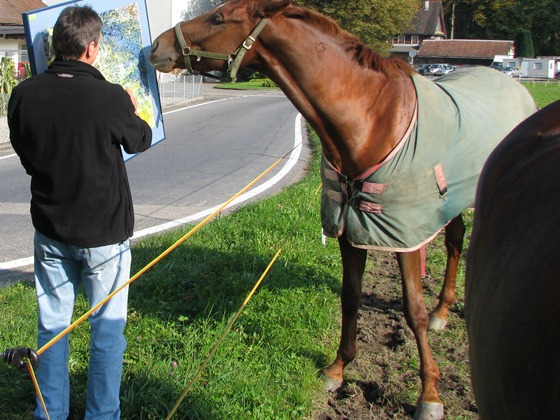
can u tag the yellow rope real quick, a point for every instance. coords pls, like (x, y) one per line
(37, 389)
(235, 316)
(222, 336)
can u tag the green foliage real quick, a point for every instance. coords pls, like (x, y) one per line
(8, 78)
(261, 83)
(524, 44)
(508, 19)
(373, 21)
(8, 81)
(268, 83)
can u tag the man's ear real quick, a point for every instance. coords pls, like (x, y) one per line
(90, 50)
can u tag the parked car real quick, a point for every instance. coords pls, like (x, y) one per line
(510, 71)
(443, 69)
(424, 69)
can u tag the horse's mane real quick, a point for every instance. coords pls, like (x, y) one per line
(363, 55)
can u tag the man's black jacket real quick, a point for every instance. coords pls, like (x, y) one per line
(67, 125)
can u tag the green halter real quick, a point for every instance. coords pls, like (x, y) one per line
(233, 60)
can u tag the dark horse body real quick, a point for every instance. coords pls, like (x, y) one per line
(512, 291)
(361, 106)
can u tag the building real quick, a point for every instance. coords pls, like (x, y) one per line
(539, 68)
(12, 36)
(428, 24)
(427, 43)
(464, 51)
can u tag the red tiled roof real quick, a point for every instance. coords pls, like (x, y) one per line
(11, 10)
(464, 48)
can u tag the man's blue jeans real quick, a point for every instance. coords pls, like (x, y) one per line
(59, 269)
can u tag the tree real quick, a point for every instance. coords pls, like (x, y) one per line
(374, 22)
(524, 44)
(8, 81)
(519, 20)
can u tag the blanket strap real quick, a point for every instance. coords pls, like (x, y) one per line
(345, 192)
(441, 181)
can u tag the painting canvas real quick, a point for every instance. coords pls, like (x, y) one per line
(123, 53)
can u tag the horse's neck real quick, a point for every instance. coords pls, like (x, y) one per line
(359, 114)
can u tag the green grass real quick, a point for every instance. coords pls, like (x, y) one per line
(544, 92)
(267, 365)
(258, 84)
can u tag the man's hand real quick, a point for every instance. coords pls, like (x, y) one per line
(132, 98)
(15, 357)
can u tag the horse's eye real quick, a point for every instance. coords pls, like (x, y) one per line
(217, 20)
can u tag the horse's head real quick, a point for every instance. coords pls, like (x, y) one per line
(216, 40)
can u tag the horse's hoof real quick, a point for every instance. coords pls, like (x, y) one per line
(437, 324)
(429, 411)
(331, 384)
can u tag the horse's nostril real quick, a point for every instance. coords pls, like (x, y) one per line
(155, 45)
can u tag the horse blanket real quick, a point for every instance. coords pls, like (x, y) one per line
(431, 177)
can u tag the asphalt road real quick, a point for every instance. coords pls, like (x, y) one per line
(212, 149)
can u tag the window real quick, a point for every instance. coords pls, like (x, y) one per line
(415, 39)
(537, 66)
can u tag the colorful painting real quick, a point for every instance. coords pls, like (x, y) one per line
(123, 54)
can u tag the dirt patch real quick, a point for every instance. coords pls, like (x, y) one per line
(382, 382)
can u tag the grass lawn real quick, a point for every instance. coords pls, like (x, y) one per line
(544, 92)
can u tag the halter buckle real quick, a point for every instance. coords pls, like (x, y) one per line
(248, 43)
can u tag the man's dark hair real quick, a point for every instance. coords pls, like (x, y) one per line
(74, 29)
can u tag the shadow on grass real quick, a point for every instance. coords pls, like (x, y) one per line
(17, 393)
(195, 284)
(192, 280)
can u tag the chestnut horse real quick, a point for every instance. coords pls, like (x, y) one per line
(512, 290)
(369, 116)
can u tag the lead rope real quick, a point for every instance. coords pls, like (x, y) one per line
(37, 389)
(149, 266)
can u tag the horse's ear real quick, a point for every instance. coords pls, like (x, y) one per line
(268, 8)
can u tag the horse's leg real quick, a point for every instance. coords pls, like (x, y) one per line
(429, 406)
(454, 234)
(353, 266)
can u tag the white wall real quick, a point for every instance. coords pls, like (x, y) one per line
(159, 16)
(13, 48)
(9, 44)
(537, 67)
